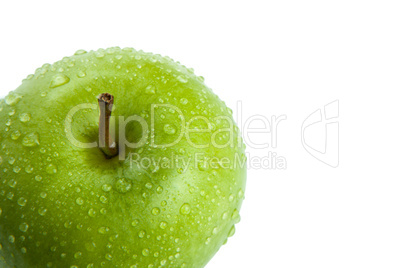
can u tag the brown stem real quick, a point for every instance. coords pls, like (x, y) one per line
(106, 144)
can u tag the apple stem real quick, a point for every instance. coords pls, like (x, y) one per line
(106, 144)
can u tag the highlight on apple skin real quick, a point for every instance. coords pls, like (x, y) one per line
(156, 181)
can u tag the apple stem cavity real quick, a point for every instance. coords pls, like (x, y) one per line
(106, 144)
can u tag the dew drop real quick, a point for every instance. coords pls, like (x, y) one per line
(103, 230)
(141, 234)
(108, 257)
(159, 190)
(81, 74)
(106, 187)
(23, 227)
(38, 178)
(59, 80)
(103, 199)
(15, 135)
(145, 252)
(77, 255)
(29, 169)
(51, 169)
(236, 216)
(182, 79)
(79, 201)
(232, 231)
(169, 129)
(185, 209)
(11, 239)
(123, 185)
(12, 183)
(99, 54)
(31, 140)
(156, 211)
(42, 211)
(16, 169)
(150, 89)
(80, 52)
(13, 98)
(202, 165)
(22, 201)
(183, 101)
(91, 212)
(224, 216)
(163, 225)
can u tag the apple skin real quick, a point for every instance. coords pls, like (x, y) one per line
(66, 206)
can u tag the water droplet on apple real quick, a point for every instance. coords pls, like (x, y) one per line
(80, 52)
(31, 140)
(240, 194)
(103, 199)
(99, 54)
(59, 80)
(51, 169)
(23, 227)
(108, 257)
(159, 190)
(38, 178)
(123, 185)
(185, 209)
(103, 230)
(163, 225)
(15, 135)
(77, 255)
(42, 211)
(156, 211)
(169, 129)
(106, 187)
(145, 252)
(203, 165)
(183, 101)
(81, 74)
(79, 201)
(12, 183)
(236, 216)
(16, 169)
(232, 231)
(134, 223)
(12, 98)
(11, 239)
(150, 89)
(11, 160)
(182, 79)
(224, 216)
(22, 201)
(91, 212)
(141, 234)
(29, 169)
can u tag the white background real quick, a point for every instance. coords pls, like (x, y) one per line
(279, 58)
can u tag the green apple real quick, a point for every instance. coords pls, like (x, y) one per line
(157, 182)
